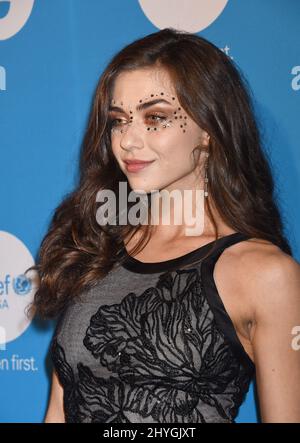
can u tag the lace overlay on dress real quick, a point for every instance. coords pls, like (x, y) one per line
(155, 356)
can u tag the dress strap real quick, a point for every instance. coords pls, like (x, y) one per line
(226, 241)
(222, 318)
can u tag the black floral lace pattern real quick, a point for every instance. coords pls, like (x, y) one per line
(168, 360)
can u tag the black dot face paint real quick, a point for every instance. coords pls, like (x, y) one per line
(154, 121)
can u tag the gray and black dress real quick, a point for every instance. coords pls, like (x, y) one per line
(153, 343)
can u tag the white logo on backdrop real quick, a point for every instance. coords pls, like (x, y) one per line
(186, 15)
(16, 288)
(18, 13)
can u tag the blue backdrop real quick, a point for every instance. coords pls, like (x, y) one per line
(51, 55)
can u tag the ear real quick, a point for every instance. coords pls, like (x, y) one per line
(205, 138)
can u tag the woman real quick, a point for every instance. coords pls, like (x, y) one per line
(156, 325)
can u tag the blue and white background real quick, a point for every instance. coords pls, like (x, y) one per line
(51, 55)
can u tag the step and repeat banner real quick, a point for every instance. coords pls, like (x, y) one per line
(52, 53)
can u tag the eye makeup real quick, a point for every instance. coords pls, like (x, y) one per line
(154, 120)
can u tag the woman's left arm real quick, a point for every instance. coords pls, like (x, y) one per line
(275, 294)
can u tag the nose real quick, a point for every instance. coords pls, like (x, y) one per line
(131, 137)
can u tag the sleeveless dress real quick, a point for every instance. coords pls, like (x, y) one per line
(152, 343)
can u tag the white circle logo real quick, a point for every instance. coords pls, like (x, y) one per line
(18, 13)
(16, 288)
(185, 15)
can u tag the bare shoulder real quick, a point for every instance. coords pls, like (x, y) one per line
(263, 261)
(268, 279)
(256, 251)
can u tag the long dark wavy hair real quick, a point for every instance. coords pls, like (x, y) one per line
(77, 252)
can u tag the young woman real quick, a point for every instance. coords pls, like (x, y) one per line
(156, 325)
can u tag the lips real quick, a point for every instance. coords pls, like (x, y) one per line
(131, 162)
(136, 165)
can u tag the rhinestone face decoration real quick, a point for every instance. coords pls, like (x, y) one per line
(155, 121)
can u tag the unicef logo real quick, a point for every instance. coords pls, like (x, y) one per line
(13, 16)
(22, 284)
(17, 288)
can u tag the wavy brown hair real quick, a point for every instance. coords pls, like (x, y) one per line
(77, 252)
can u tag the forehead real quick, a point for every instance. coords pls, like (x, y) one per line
(132, 86)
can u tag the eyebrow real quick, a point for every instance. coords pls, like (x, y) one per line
(142, 106)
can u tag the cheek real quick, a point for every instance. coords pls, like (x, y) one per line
(172, 145)
(115, 146)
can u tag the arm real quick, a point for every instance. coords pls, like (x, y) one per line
(55, 412)
(275, 293)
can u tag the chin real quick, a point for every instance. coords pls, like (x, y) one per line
(140, 189)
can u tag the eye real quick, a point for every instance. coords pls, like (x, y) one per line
(116, 122)
(155, 118)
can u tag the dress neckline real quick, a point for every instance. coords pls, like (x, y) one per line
(138, 266)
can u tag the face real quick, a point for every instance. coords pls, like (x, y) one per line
(149, 124)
